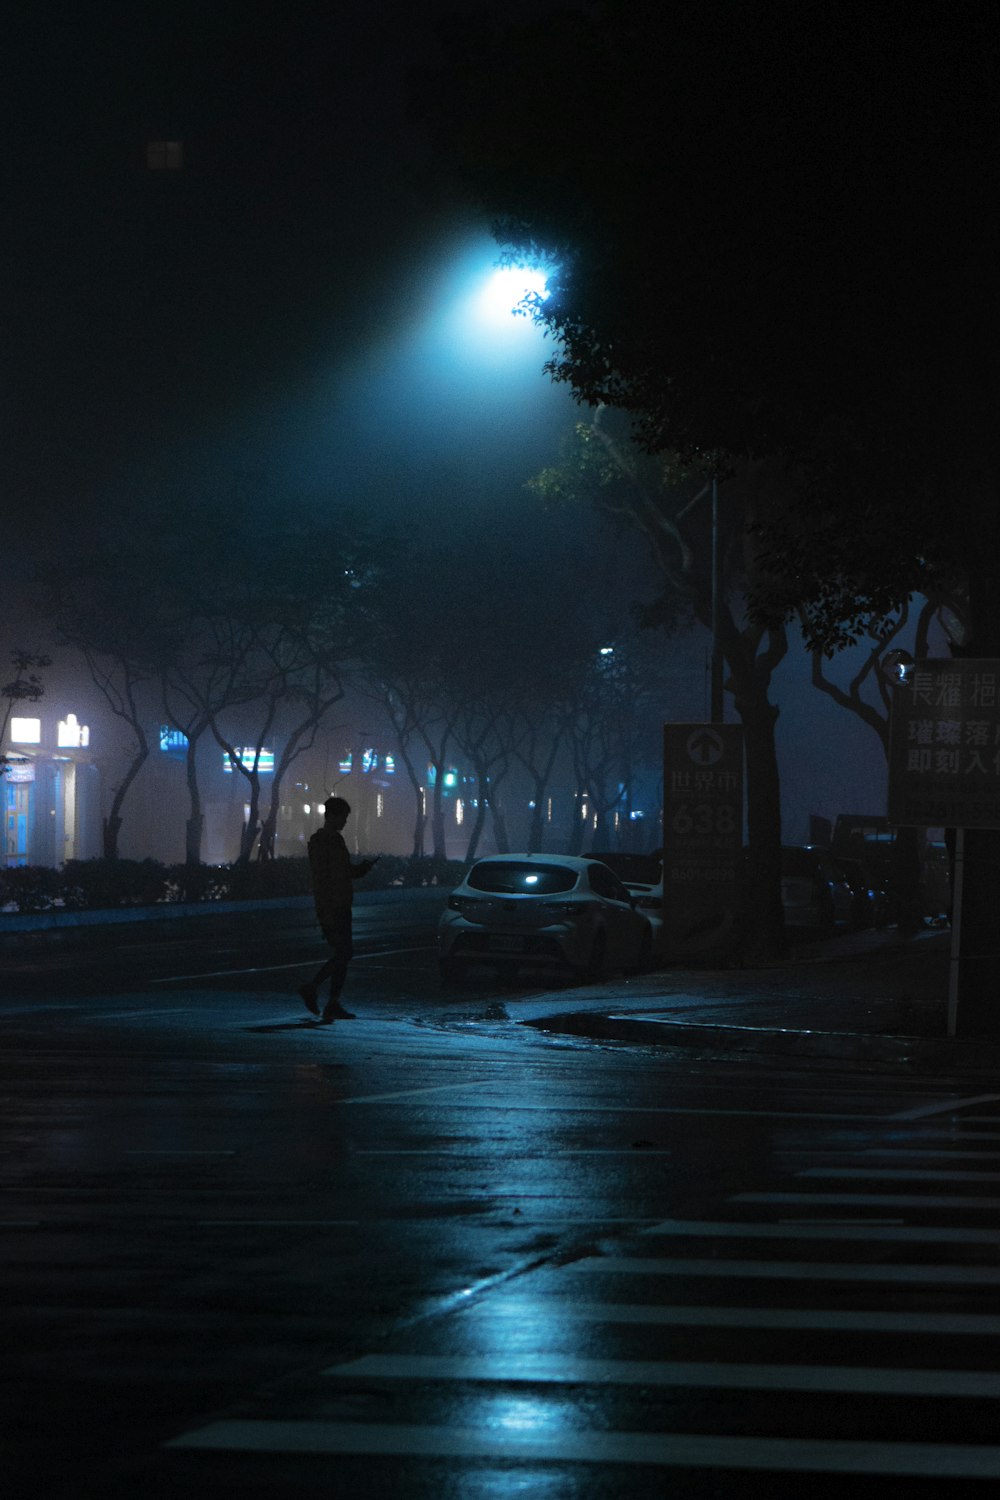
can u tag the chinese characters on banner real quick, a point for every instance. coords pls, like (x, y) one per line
(944, 746)
(702, 833)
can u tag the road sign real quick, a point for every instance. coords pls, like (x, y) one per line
(944, 746)
(702, 834)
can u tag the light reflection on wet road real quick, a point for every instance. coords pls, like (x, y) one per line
(431, 1254)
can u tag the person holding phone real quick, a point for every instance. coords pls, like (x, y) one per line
(333, 877)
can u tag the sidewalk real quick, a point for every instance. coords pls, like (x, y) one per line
(870, 998)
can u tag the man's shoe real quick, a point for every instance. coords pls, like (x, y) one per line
(334, 1011)
(309, 998)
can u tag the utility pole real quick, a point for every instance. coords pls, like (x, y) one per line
(716, 711)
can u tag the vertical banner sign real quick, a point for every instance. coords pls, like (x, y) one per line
(944, 746)
(702, 835)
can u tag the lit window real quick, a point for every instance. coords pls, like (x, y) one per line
(247, 754)
(164, 156)
(72, 735)
(26, 731)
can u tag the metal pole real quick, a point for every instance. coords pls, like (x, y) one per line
(717, 713)
(958, 880)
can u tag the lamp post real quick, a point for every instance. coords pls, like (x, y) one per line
(716, 709)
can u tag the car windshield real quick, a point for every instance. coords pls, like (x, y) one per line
(798, 861)
(519, 877)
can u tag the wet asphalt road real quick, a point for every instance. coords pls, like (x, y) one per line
(430, 1252)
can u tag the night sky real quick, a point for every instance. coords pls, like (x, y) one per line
(289, 310)
(274, 307)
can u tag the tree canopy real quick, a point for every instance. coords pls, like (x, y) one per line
(768, 235)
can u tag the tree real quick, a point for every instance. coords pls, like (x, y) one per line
(766, 240)
(287, 612)
(668, 502)
(122, 620)
(24, 687)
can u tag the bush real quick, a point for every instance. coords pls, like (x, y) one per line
(30, 888)
(95, 884)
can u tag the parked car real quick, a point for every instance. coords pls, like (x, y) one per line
(815, 895)
(545, 911)
(642, 876)
(870, 899)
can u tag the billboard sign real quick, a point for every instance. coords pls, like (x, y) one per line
(944, 746)
(702, 834)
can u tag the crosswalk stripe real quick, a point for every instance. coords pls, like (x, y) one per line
(822, 1319)
(868, 1380)
(926, 1111)
(825, 1230)
(870, 1200)
(571, 1445)
(787, 1270)
(898, 1174)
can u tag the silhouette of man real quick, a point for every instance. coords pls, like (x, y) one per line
(333, 878)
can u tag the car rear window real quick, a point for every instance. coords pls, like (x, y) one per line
(521, 878)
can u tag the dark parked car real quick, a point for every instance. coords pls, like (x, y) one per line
(870, 903)
(815, 895)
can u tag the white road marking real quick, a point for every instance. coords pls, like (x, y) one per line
(304, 963)
(514, 1106)
(786, 1270)
(924, 1111)
(465, 1151)
(278, 1223)
(868, 1380)
(439, 1088)
(881, 1153)
(830, 1320)
(826, 1229)
(898, 1174)
(869, 1200)
(572, 1445)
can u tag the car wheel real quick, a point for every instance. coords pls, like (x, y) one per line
(594, 967)
(645, 957)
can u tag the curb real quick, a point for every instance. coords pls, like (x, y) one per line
(968, 1054)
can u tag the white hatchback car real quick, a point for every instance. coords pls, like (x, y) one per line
(545, 911)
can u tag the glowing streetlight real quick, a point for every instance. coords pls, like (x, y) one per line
(503, 293)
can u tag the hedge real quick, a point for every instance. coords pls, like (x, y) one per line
(93, 884)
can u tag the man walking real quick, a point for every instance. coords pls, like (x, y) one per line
(333, 878)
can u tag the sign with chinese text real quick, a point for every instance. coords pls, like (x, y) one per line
(702, 833)
(944, 746)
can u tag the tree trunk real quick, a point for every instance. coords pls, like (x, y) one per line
(536, 824)
(477, 832)
(110, 829)
(979, 951)
(765, 918)
(194, 827)
(113, 822)
(437, 816)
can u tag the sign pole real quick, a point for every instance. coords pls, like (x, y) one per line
(958, 880)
